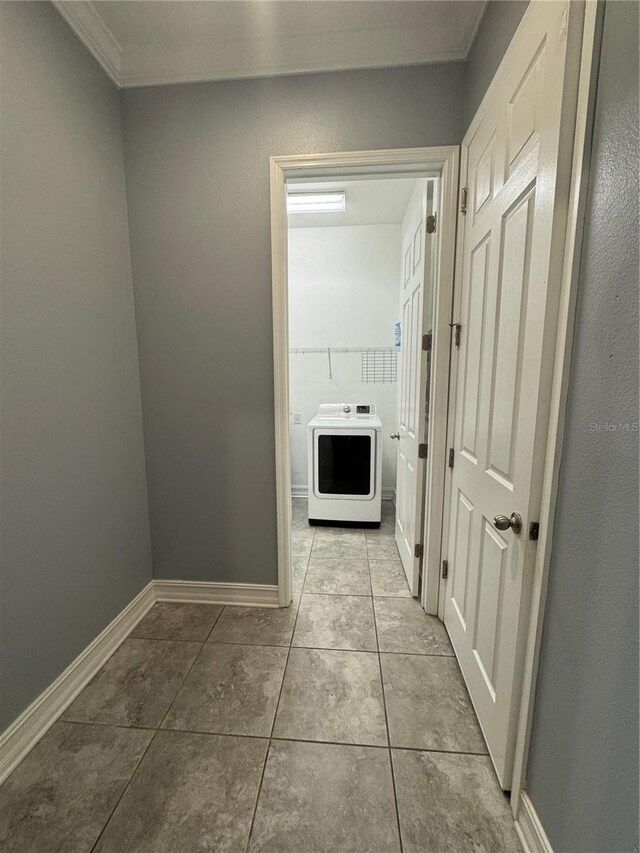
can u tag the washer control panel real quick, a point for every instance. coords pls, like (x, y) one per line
(347, 410)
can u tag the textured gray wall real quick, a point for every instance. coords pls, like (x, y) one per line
(583, 768)
(197, 161)
(75, 534)
(499, 23)
(75, 546)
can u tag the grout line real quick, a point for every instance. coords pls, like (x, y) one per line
(255, 807)
(217, 734)
(153, 737)
(266, 737)
(339, 594)
(129, 638)
(420, 654)
(386, 721)
(124, 791)
(310, 648)
(215, 622)
(306, 570)
(273, 724)
(364, 595)
(439, 751)
(177, 693)
(341, 650)
(170, 639)
(367, 745)
(306, 647)
(106, 725)
(240, 643)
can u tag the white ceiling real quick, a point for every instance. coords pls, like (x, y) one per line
(368, 202)
(152, 42)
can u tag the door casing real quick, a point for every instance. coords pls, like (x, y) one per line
(441, 163)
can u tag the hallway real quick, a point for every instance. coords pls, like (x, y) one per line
(169, 332)
(338, 724)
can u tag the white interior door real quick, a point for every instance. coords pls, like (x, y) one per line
(415, 300)
(509, 257)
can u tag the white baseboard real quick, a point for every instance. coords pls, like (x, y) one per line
(529, 828)
(23, 734)
(206, 592)
(388, 492)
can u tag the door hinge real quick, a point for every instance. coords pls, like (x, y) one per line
(427, 341)
(445, 568)
(418, 551)
(534, 530)
(463, 201)
(457, 327)
(452, 454)
(432, 220)
(422, 451)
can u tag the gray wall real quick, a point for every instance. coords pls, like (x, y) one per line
(75, 536)
(499, 23)
(75, 546)
(197, 161)
(583, 769)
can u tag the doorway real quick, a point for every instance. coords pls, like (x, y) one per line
(430, 176)
(359, 296)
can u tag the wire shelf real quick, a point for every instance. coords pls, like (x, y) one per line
(378, 364)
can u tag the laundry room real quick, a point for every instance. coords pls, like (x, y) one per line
(354, 246)
(344, 272)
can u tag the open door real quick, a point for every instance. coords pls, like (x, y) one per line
(516, 157)
(418, 246)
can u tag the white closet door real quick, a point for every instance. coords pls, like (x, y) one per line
(509, 248)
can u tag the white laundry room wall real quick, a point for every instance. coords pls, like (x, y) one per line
(343, 293)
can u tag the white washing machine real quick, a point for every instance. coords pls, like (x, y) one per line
(345, 465)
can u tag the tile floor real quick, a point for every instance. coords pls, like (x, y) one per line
(338, 724)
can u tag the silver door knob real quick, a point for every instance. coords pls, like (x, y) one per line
(513, 521)
(395, 435)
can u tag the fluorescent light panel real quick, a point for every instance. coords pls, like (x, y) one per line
(316, 202)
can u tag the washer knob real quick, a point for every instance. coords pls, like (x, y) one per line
(346, 409)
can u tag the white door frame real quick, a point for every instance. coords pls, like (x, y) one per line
(439, 162)
(583, 49)
(586, 50)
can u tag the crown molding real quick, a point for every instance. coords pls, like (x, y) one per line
(149, 66)
(95, 35)
(479, 10)
(211, 73)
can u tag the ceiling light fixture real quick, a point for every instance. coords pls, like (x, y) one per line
(316, 202)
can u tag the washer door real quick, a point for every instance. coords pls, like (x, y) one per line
(344, 464)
